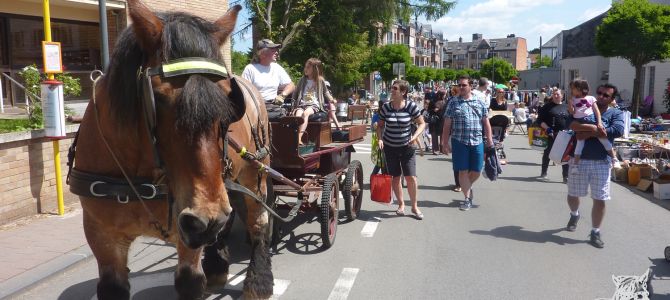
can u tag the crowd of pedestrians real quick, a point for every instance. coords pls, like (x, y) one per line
(458, 125)
(455, 121)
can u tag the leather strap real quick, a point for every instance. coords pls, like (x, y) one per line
(92, 185)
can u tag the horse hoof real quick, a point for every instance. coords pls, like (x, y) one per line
(216, 281)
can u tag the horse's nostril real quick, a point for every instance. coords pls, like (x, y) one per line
(191, 223)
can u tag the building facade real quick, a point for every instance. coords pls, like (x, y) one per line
(75, 24)
(470, 55)
(423, 43)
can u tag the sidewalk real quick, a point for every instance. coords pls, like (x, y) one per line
(38, 247)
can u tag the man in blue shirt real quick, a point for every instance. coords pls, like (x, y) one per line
(596, 172)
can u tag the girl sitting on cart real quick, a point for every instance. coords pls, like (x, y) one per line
(311, 95)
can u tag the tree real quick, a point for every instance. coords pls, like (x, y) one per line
(637, 31)
(282, 21)
(239, 61)
(383, 58)
(415, 75)
(429, 73)
(504, 71)
(534, 51)
(449, 74)
(544, 61)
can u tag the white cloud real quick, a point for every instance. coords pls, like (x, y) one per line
(593, 12)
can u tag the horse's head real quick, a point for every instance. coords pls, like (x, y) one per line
(192, 108)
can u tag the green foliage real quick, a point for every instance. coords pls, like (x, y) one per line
(638, 31)
(31, 78)
(534, 51)
(14, 125)
(544, 61)
(294, 71)
(504, 71)
(239, 61)
(414, 75)
(383, 58)
(449, 74)
(430, 73)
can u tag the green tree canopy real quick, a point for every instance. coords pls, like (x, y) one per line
(534, 51)
(382, 60)
(544, 61)
(504, 71)
(415, 75)
(430, 73)
(639, 32)
(239, 61)
(449, 74)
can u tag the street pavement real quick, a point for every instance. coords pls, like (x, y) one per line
(512, 245)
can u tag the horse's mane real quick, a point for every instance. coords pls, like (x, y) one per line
(200, 102)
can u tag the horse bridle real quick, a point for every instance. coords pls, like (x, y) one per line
(124, 189)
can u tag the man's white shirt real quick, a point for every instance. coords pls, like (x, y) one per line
(482, 96)
(266, 78)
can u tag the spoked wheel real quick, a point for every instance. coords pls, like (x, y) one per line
(352, 191)
(329, 208)
(272, 233)
(667, 253)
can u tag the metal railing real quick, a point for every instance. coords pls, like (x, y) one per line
(26, 93)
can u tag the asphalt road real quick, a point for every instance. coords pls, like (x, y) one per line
(511, 246)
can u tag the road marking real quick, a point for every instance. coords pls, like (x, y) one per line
(235, 283)
(370, 227)
(344, 284)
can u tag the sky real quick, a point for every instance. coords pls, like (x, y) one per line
(529, 19)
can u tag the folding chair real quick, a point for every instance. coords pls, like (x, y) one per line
(520, 125)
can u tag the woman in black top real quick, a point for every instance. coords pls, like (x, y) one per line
(553, 117)
(500, 104)
(435, 112)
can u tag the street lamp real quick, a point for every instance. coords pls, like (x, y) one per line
(493, 75)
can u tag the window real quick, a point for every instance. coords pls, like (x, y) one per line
(80, 43)
(573, 74)
(506, 54)
(389, 38)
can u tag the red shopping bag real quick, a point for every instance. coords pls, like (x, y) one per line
(380, 188)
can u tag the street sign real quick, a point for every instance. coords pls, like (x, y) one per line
(378, 77)
(399, 69)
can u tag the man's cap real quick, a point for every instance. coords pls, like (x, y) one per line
(266, 43)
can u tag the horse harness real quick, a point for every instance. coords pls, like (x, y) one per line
(125, 189)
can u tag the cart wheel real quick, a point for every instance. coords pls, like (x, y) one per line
(329, 207)
(272, 233)
(667, 253)
(352, 190)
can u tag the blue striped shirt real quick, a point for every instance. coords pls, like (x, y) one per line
(466, 119)
(397, 131)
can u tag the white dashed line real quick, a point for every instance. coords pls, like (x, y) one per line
(344, 284)
(370, 228)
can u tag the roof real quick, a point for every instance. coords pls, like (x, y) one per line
(582, 38)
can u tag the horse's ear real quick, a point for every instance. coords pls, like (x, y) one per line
(236, 98)
(226, 23)
(146, 25)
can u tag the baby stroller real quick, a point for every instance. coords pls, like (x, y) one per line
(499, 124)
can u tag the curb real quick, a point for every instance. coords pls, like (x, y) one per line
(36, 275)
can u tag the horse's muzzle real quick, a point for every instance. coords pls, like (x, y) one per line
(196, 230)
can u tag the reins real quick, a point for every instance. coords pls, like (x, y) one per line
(153, 220)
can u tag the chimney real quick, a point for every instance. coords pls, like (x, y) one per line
(460, 40)
(511, 35)
(476, 36)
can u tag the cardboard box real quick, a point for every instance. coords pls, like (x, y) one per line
(662, 189)
(644, 185)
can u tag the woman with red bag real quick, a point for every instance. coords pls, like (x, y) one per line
(397, 141)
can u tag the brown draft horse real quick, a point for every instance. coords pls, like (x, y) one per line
(193, 112)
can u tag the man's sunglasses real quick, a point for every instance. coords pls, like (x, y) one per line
(604, 95)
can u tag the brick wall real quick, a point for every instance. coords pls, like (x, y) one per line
(208, 9)
(27, 175)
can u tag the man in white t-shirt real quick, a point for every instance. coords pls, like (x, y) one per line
(268, 76)
(483, 91)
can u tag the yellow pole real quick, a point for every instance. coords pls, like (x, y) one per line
(56, 147)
